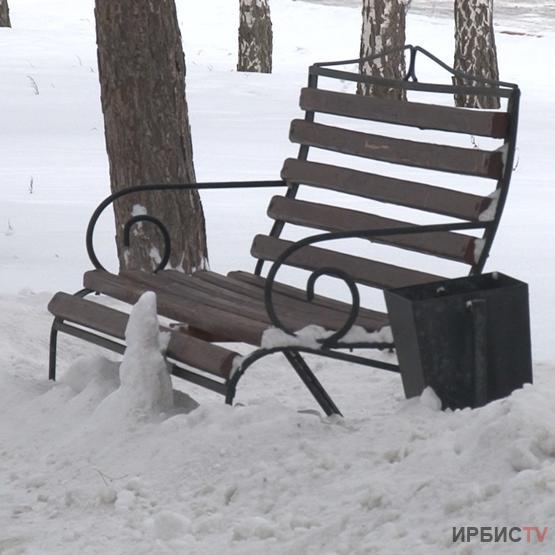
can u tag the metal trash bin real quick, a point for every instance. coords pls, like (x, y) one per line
(467, 338)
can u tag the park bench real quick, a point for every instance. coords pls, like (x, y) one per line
(239, 307)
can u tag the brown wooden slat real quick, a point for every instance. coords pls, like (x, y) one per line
(86, 313)
(453, 246)
(294, 315)
(385, 189)
(298, 314)
(201, 354)
(207, 318)
(424, 116)
(372, 319)
(362, 270)
(306, 312)
(464, 161)
(186, 290)
(182, 348)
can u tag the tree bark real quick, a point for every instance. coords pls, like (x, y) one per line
(255, 36)
(4, 14)
(383, 28)
(148, 138)
(475, 50)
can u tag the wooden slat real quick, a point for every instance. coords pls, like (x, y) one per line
(436, 200)
(464, 161)
(308, 312)
(294, 315)
(207, 318)
(86, 313)
(185, 290)
(297, 314)
(362, 270)
(424, 116)
(374, 318)
(453, 246)
(181, 348)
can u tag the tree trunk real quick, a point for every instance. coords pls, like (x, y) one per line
(148, 138)
(475, 51)
(4, 14)
(383, 28)
(255, 36)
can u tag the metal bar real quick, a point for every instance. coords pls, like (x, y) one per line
(53, 350)
(478, 309)
(503, 185)
(311, 382)
(356, 359)
(380, 345)
(53, 347)
(410, 85)
(413, 50)
(171, 187)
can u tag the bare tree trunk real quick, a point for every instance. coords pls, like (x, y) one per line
(383, 28)
(4, 14)
(475, 51)
(148, 138)
(255, 36)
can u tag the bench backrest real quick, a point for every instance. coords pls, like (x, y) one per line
(390, 121)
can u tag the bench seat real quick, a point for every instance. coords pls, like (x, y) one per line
(227, 308)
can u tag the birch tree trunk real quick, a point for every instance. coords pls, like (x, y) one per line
(4, 14)
(148, 138)
(475, 50)
(383, 28)
(255, 36)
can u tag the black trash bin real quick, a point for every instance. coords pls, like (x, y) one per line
(467, 338)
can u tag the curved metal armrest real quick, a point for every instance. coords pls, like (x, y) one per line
(146, 188)
(333, 340)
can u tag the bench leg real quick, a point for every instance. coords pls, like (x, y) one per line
(53, 350)
(311, 382)
(54, 338)
(299, 365)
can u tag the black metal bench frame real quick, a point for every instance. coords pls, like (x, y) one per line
(332, 346)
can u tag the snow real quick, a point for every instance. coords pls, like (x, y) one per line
(311, 336)
(105, 461)
(145, 385)
(489, 213)
(479, 245)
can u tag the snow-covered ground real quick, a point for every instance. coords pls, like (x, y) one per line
(84, 470)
